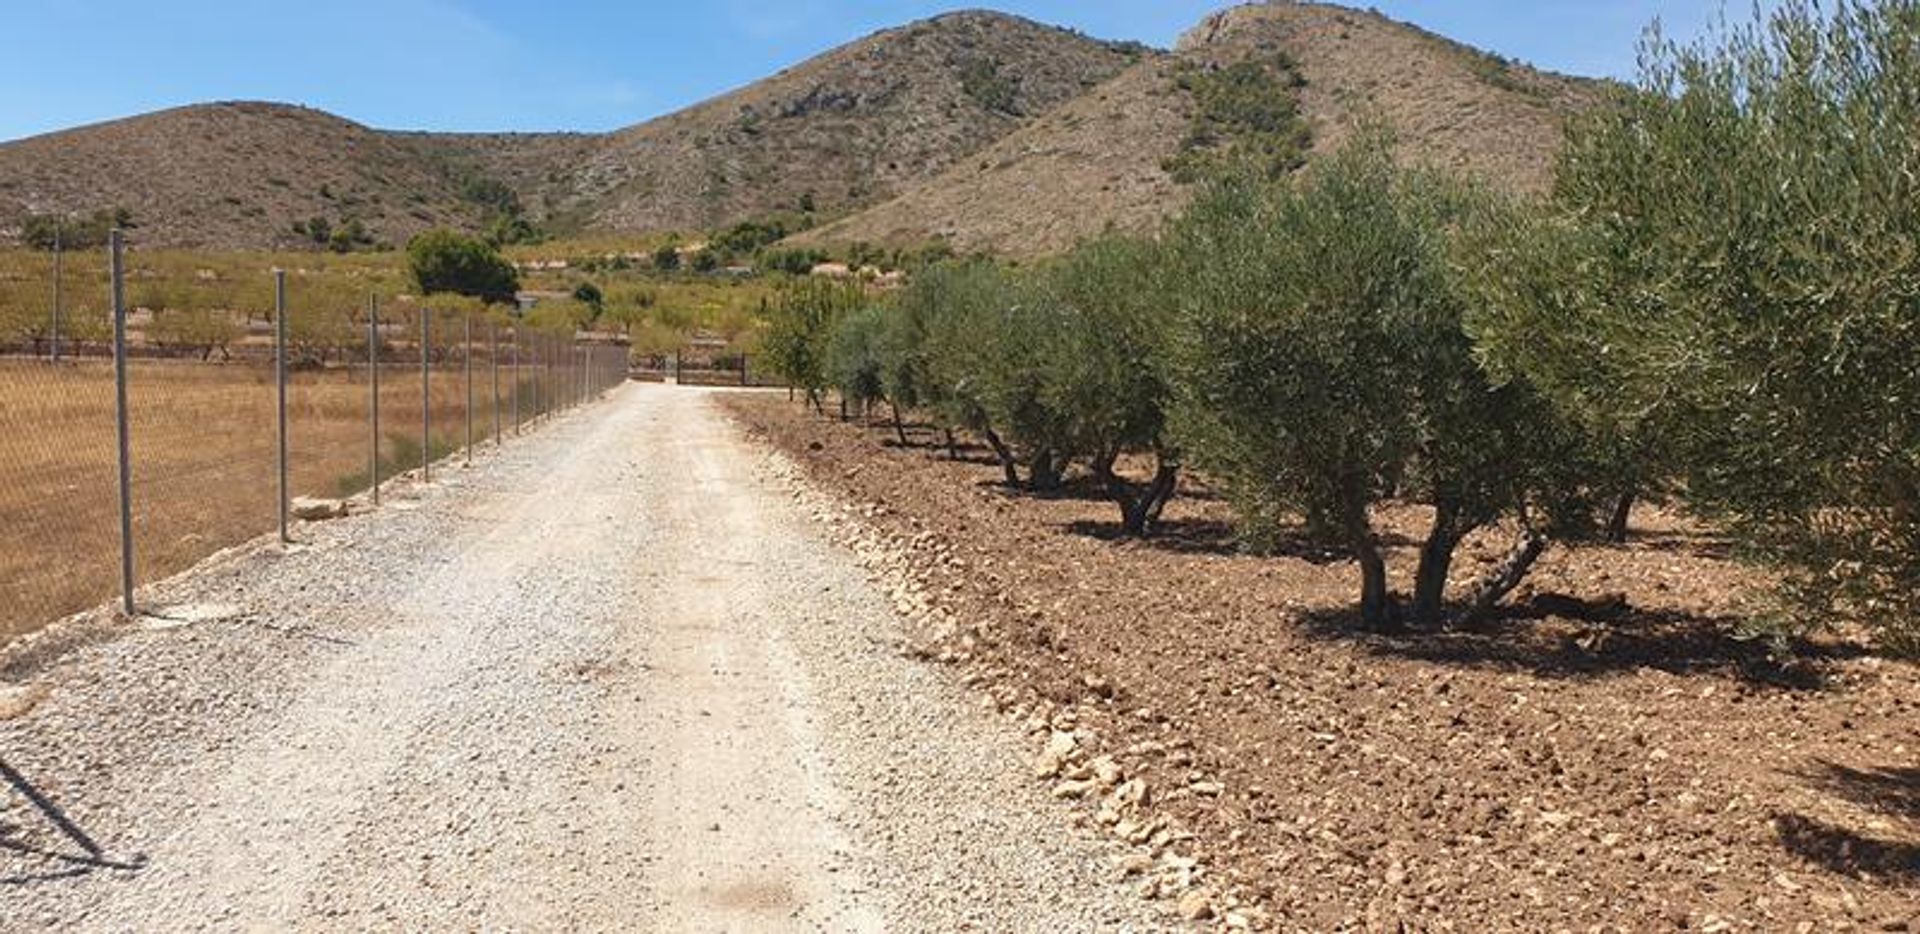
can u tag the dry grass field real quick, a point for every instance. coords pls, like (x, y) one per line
(203, 463)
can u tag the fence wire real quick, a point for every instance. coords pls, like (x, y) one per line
(203, 412)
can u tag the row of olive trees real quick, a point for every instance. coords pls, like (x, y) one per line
(1719, 300)
(1302, 342)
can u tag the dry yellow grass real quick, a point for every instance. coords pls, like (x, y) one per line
(204, 474)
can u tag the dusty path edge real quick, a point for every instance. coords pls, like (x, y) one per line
(1072, 762)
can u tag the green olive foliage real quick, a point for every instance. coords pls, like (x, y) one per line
(802, 320)
(1107, 384)
(854, 358)
(1320, 366)
(1729, 271)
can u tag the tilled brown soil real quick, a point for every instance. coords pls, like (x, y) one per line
(1605, 757)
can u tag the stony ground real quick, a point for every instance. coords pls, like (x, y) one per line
(613, 677)
(1606, 756)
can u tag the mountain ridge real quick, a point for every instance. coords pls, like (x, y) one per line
(988, 131)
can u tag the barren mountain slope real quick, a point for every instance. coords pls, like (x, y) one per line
(1094, 161)
(1098, 161)
(842, 131)
(850, 128)
(230, 175)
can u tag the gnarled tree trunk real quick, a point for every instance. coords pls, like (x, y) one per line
(1005, 454)
(1617, 529)
(1141, 504)
(1044, 474)
(1436, 560)
(1376, 602)
(1500, 581)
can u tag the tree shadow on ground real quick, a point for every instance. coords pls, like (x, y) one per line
(1556, 636)
(1892, 792)
(1079, 489)
(60, 863)
(1178, 536)
(1199, 536)
(1691, 544)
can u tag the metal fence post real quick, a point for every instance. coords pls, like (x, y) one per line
(54, 345)
(280, 392)
(373, 396)
(466, 362)
(426, 399)
(115, 248)
(516, 381)
(493, 363)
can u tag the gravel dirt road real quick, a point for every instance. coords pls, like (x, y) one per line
(610, 678)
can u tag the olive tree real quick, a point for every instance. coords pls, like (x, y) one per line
(1760, 184)
(1321, 366)
(854, 358)
(802, 320)
(1106, 382)
(954, 308)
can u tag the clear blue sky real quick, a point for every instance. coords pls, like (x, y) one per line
(601, 64)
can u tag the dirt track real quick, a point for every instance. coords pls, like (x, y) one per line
(608, 679)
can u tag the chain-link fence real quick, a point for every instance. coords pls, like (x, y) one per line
(363, 387)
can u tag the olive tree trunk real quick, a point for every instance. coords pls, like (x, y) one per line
(1617, 530)
(1000, 450)
(1505, 576)
(1376, 602)
(1141, 504)
(1436, 562)
(1044, 475)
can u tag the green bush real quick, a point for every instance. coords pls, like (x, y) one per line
(44, 231)
(981, 79)
(446, 261)
(1246, 116)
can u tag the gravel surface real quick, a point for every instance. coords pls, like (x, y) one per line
(611, 677)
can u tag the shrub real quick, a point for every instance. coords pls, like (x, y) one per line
(796, 262)
(981, 79)
(44, 231)
(446, 261)
(1246, 115)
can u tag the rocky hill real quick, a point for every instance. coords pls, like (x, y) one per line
(988, 131)
(230, 175)
(1101, 160)
(847, 129)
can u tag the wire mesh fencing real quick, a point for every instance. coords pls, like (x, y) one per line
(375, 387)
